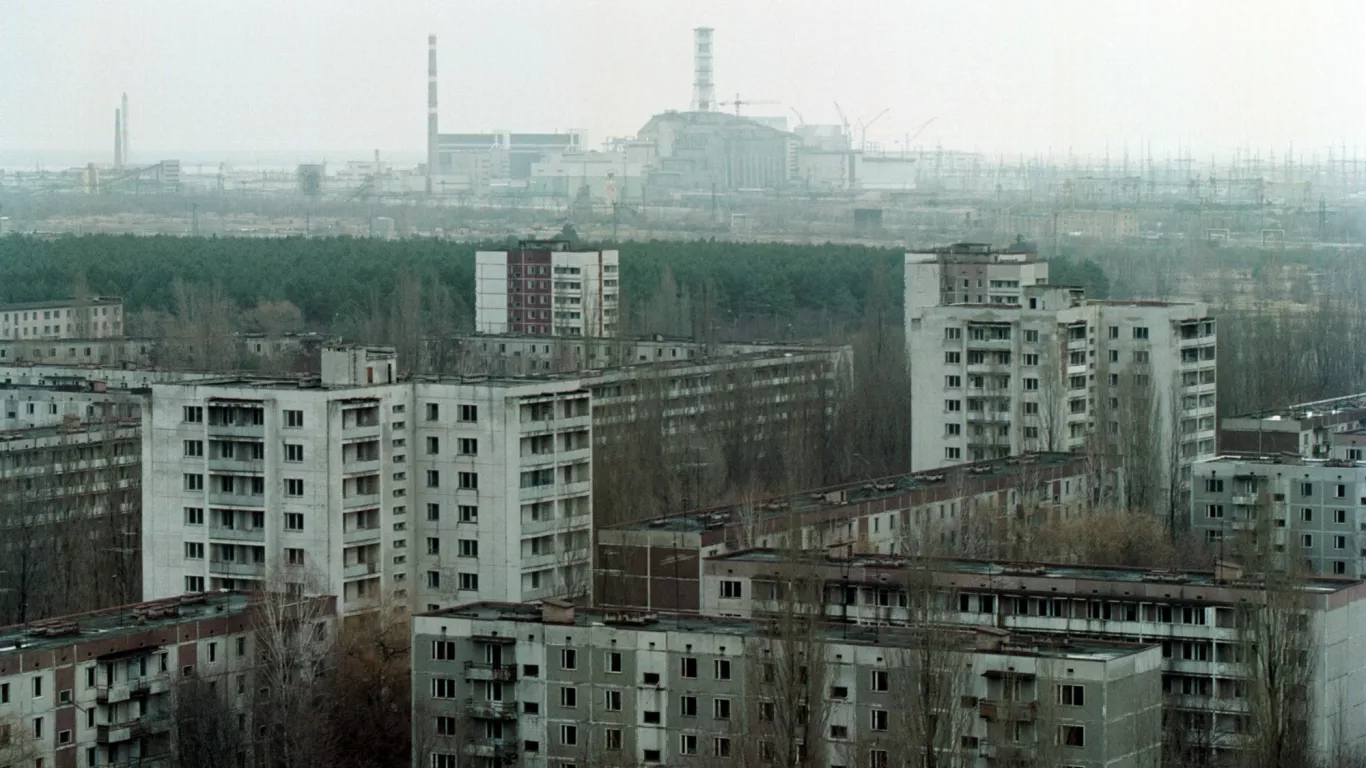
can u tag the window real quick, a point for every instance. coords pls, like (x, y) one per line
(569, 735)
(294, 521)
(241, 646)
(953, 430)
(469, 513)
(688, 706)
(879, 719)
(613, 738)
(731, 590)
(720, 709)
(688, 667)
(720, 746)
(1214, 510)
(434, 579)
(953, 405)
(1340, 492)
(194, 482)
(194, 515)
(1214, 485)
(953, 358)
(1339, 515)
(1031, 385)
(294, 419)
(467, 446)
(722, 669)
(433, 411)
(469, 582)
(611, 700)
(879, 680)
(1140, 332)
(194, 414)
(469, 481)
(194, 583)
(1307, 515)
(569, 696)
(194, 550)
(839, 692)
(294, 452)
(37, 727)
(433, 545)
(569, 658)
(953, 453)
(1072, 735)
(469, 413)
(687, 743)
(1072, 695)
(433, 478)
(1339, 542)
(194, 448)
(951, 334)
(1306, 489)
(1339, 567)
(433, 511)
(1307, 540)
(650, 717)
(953, 382)
(37, 687)
(469, 548)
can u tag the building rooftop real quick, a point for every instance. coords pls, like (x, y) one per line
(835, 496)
(63, 303)
(893, 637)
(1284, 459)
(1346, 405)
(990, 568)
(78, 427)
(112, 622)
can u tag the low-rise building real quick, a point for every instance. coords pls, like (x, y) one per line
(70, 501)
(1303, 429)
(1197, 617)
(101, 688)
(60, 399)
(90, 318)
(552, 685)
(656, 564)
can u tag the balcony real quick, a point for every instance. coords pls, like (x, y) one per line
(1244, 500)
(1007, 710)
(249, 431)
(491, 710)
(497, 673)
(238, 534)
(499, 749)
(118, 692)
(361, 500)
(236, 500)
(367, 467)
(148, 725)
(234, 568)
(360, 570)
(360, 535)
(248, 466)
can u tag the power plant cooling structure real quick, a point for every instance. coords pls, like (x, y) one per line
(703, 92)
(118, 139)
(127, 154)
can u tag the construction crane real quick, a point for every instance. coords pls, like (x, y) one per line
(800, 121)
(738, 102)
(863, 128)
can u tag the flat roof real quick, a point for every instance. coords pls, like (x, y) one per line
(857, 492)
(124, 620)
(63, 303)
(1310, 410)
(1051, 646)
(55, 430)
(1195, 578)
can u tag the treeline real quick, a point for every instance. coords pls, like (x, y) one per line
(794, 290)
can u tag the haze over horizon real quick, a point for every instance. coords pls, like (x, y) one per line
(306, 76)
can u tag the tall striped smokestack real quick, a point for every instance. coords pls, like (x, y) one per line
(118, 139)
(431, 111)
(703, 95)
(127, 155)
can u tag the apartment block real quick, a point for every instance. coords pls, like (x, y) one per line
(1192, 615)
(70, 495)
(61, 399)
(1059, 373)
(94, 318)
(552, 685)
(1314, 509)
(971, 273)
(543, 288)
(657, 564)
(423, 492)
(1304, 429)
(99, 689)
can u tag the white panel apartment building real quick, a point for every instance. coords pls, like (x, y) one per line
(422, 493)
(542, 288)
(95, 318)
(1058, 373)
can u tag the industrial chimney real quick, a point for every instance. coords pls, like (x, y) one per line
(431, 111)
(127, 155)
(703, 94)
(118, 139)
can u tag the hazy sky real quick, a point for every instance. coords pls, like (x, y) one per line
(345, 76)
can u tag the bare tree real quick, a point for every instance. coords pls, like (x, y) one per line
(1276, 638)
(204, 727)
(295, 641)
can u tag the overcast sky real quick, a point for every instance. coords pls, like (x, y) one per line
(347, 76)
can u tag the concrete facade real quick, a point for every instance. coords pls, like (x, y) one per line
(657, 564)
(420, 493)
(1305, 429)
(65, 399)
(1190, 614)
(544, 289)
(93, 318)
(552, 685)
